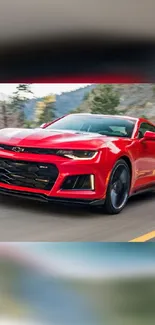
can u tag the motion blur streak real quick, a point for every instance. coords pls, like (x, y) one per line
(60, 18)
(80, 283)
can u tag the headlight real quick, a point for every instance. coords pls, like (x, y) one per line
(77, 154)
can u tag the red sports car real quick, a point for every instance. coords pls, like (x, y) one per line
(80, 158)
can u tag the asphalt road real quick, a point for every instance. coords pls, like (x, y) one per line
(22, 220)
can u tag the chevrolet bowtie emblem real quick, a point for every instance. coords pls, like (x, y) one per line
(18, 149)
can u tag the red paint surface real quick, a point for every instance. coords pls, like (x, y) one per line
(110, 149)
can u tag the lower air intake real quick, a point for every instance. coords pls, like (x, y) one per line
(79, 182)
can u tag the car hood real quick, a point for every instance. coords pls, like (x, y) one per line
(42, 138)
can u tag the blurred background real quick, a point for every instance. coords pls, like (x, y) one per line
(75, 283)
(91, 283)
(30, 105)
(67, 38)
(61, 19)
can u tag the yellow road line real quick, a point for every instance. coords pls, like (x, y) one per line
(144, 237)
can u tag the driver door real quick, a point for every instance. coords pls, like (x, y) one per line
(145, 162)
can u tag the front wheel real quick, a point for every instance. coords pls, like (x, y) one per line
(118, 188)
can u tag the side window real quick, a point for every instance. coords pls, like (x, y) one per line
(145, 127)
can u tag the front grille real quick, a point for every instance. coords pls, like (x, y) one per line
(28, 174)
(41, 151)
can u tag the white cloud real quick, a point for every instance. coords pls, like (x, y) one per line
(42, 89)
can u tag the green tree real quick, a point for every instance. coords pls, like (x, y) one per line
(105, 100)
(19, 99)
(144, 116)
(4, 112)
(48, 113)
(76, 111)
(153, 89)
(28, 124)
(45, 110)
(86, 96)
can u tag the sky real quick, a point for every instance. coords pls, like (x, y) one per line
(41, 90)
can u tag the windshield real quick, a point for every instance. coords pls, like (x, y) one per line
(110, 126)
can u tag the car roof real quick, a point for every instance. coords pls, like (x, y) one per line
(126, 117)
(103, 115)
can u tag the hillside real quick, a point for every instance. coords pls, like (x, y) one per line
(135, 100)
(65, 102)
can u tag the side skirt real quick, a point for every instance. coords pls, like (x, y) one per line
(145, 189)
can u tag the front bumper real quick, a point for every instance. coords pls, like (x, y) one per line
(66, 167)
(48, 199)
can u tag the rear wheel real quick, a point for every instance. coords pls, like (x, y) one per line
(118, 188)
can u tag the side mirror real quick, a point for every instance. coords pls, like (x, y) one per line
(149, 136)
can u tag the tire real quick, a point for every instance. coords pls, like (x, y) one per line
(118, 188)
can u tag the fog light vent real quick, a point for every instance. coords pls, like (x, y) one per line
(79, 182)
